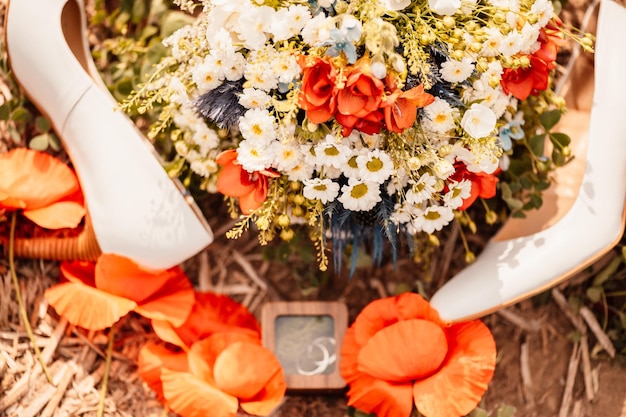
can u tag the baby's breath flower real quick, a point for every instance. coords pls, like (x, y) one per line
(455, 71)
(251, 98)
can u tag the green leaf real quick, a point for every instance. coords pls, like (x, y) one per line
(608, 271)
(42, 124)
(557, 157)
(15, 135)
(21, 115)
(5, 111)
(173, 21)
(55, 143)
(537, 144)
(560, 140)
(39, 142)
(550, 118)
(479, 412)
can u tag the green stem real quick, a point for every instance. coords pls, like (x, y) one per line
(107, 369)
(20, 302)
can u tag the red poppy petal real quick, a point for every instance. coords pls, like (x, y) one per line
(213, 313)
(244, 369)
(268, 398)
(79, 272)
(152, 358)
(226, 157)
(64, 214)
(86, 306)
(172, 303)
(380, 397)
(121, 276)
(348, 366)
(248, 203)
(190, 396)
(35, 177)
(386, 311)
(464, 376)
(404, 351)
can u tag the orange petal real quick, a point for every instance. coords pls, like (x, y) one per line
(121, 276)
(386, 311)
(152, 358)
(349, 367)
(214, 313)
(204, 353)
(35, 177)
(464, 376)
(173, 303)
(190, 396)
(268, 398)
(168, 333)
(380, 397)
(244, 369)
(248, 203)
(86, 306)
(230, 182)
(79, 272)
(10, 203)
(407, 350)
(226, 157)
(64, 214)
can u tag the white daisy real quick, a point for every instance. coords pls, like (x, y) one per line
(479, 121)
(322, 189)
(206, 77)
(433, 218)
(440, 116)
(330, 153)
(351, 167)
(457, 192)
(286, 67)
(205, 137)
(544, 10)
(260, 75)
(511, 44)
(300, 172)
(258, 125)
(403, 213)
(251, 98)
(422, 189)
(492, 44)
(375, 166)
(359, 196)
(254, 156)
(235, 66)
(455, 71)
(287, 156)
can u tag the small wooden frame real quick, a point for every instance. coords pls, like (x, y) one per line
(306, 337)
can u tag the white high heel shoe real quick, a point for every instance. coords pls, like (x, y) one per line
(513, 267)
(135, 209)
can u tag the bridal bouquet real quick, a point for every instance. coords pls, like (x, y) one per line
(365, 120)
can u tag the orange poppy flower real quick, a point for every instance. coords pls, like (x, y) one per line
(44, 188)
(483, 185)
(234, 181)
(98, 294)
(398, 353)
(400, 107)
(223, 371)
(211, 313)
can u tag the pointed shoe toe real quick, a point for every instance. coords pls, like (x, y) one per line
(512, 266)
(136, 209)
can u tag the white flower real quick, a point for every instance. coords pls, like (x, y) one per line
(433, 218)
(395, 4)
(287, 156)
(375, 166)
(288, 22)
(440, 116)
(321, 189)
(477, 161)
(479, 121)
(206, 77)
(359, 196)
(403, 213)
(317, 30)
(234, 67)
(544, 10)
(457, 192)
(511, 44)
(221, 41)
(253, 25)
(422, 189)
(398, 182)
(179, 92)
(254, 156)
(251, 98)
(258, 125)
(455, 71)
(492, 44)
(351, 167)
(286, 67)
(202, 167)
(444, 7)
(300, 172)
(205, 137)
(330, 153)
